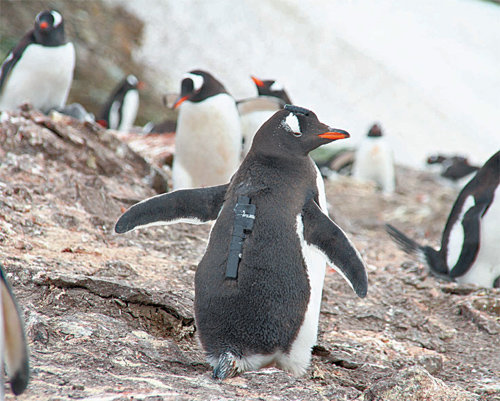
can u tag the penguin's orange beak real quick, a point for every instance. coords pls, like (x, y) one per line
(179, 101)
(335, 134)
(257, 81)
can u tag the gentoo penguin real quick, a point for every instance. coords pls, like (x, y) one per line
(270, 87)
(121, 108)
(258, 287)
(208, 136)
(252, 121)
(374, 161)
(470, 250)
(454, 168)
(13, 346)
(39, 70)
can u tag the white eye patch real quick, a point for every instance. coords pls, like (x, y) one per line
(291, 122)
(276, 86)
(132, 80)
(197, 81)
(57, 18)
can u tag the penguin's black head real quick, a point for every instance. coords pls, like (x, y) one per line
(49, 28)
(436, 159)
(375, 131)
(131, 82)
(293, 131)
(271, 88)
(198, 85)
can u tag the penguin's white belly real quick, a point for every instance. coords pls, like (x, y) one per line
(208, 143)
(374, 162)
(41, 77)
(297, 360)
(129, 110)
(486, 268)
(250, 124)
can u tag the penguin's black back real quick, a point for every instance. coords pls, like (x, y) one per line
(262, 310)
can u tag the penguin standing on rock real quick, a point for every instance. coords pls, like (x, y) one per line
(13, 346)
(258, 287)
(470, 243)
(251, 121)
(208, 136)
(39, 70)
(374, 161)
(120, 110)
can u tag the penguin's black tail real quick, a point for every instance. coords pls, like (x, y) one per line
(425, 254)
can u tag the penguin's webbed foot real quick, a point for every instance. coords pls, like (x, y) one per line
(226, 367)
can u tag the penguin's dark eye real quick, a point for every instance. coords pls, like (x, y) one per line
(297, 134)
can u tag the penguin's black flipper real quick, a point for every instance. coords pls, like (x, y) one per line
(186, 205)
(16, 348)
(13, 57)
(322, 232)
(471, 240)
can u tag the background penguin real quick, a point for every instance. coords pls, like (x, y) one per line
(252, 121)
(374, 161)
(208, 136)
(270, 87)
(258, 287)
(454, 168)
(121, 108)
(470, 243)
(39, 70)
(13, 346)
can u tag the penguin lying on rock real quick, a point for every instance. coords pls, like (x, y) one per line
(454, 168)
(39, 70)
(13, 346)
(258, 287)
(470, 250)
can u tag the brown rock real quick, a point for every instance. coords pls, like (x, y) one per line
(413, 384)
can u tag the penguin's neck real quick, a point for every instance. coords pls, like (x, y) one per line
(282, 163)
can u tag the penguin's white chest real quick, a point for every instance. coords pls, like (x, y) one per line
(208, 142)
(129, 110)
(374, 162)
(250, 124)
(41, 77)
(486, 268)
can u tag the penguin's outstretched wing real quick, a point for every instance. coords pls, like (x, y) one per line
(16, 348)
(183, 206)
(324, 234)
(13, 57)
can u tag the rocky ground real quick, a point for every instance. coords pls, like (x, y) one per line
(110, 317)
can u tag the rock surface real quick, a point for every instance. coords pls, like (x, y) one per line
(110, 317)
(413, 384)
